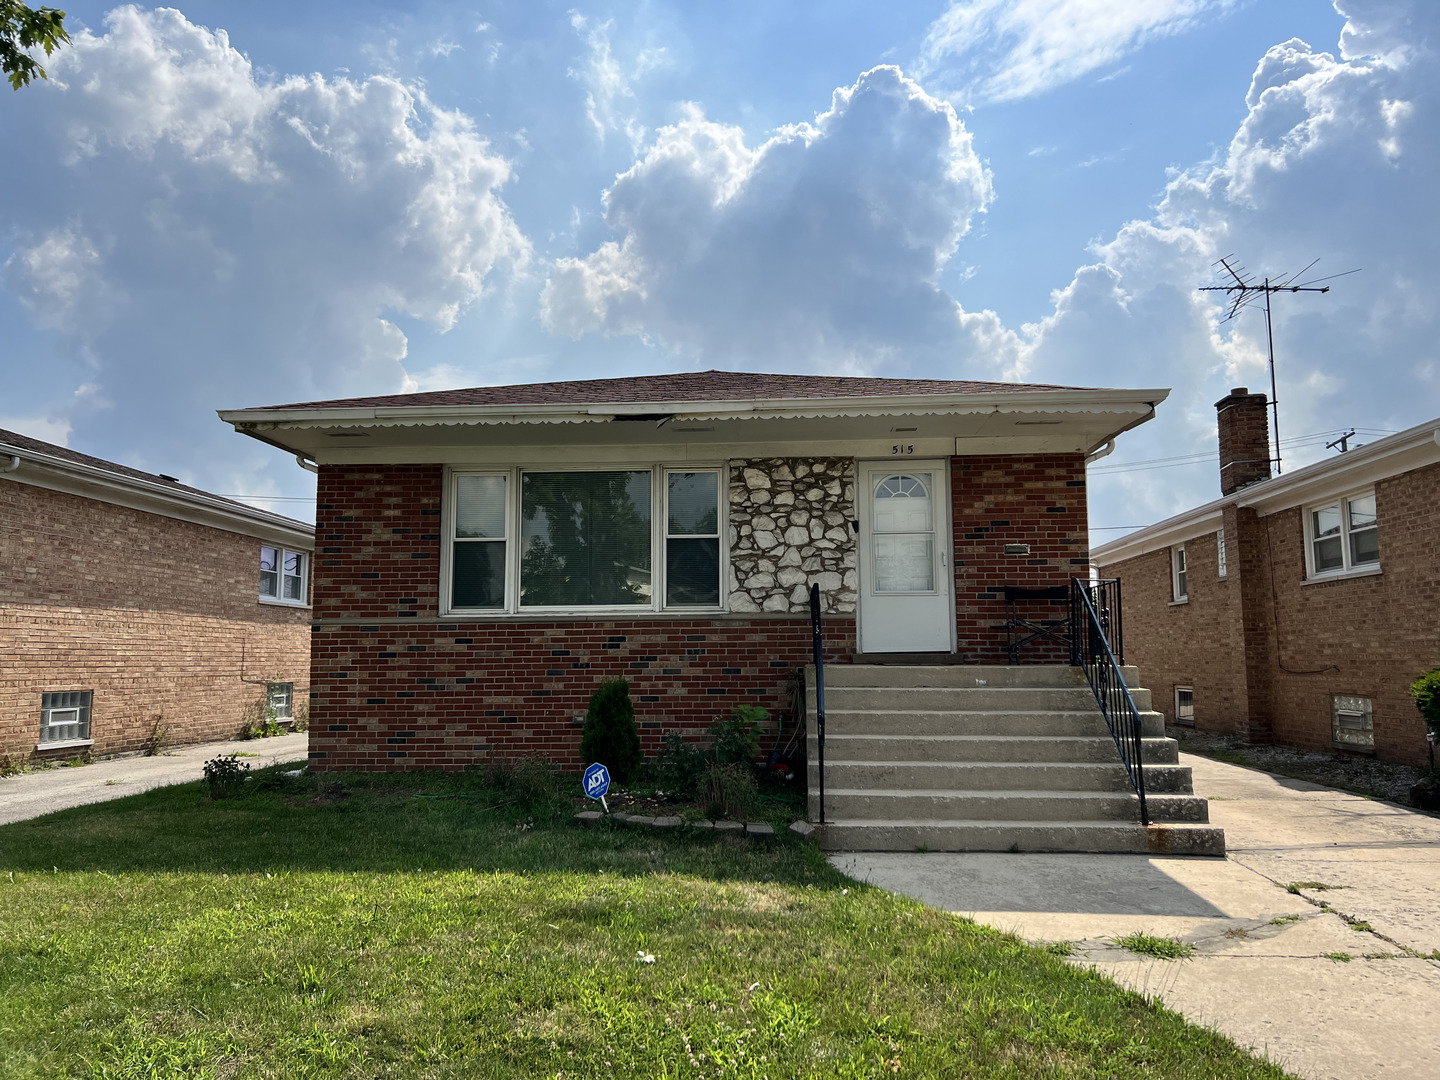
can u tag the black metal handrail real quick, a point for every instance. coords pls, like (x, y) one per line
(818, 645)
(1094, 616)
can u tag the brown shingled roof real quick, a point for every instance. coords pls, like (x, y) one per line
(64, 453)
(690, 386)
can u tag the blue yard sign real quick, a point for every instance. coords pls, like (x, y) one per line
(597, 783)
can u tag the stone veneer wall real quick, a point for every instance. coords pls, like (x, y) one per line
(790, 525)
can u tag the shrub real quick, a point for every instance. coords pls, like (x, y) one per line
(727, 790)
(1426, 693)
(225, 775)
(678, 766)
(530, 783)
(611, 737)
(732, 739)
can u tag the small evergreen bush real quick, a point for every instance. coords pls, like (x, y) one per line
(611, 737)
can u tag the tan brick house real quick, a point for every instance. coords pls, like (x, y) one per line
(129, 601)
(1297, 608)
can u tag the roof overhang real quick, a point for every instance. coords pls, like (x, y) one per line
(1354, 470)
(1021, 422)
(43, 470)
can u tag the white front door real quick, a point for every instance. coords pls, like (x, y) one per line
(905, 545)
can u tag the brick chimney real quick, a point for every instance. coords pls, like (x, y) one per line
(1244, 439)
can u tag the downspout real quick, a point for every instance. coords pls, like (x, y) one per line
(308, 466)
(14, 464)
(1104, 451)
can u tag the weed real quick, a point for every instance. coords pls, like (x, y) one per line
(1014, 848)
(158, 737)
(1282, 920)
(12, 766)
(728, 791)
(1339, 957)
(225, 775)
(1361, 925)
(1237, 932)
(1313, 886)
(1162, 948)
(1059, 948)
(529, 783)
(678, 765)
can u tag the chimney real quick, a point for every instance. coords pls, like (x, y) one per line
(1244, 439)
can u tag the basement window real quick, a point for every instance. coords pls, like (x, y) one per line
(64, 718)
(279, 702)
(1353, 721)
(1185, 705)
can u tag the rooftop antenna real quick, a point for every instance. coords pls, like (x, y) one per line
(1243, 288)
(1343, 442)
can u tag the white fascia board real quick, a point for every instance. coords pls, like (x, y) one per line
(89, 482)
(1099, 401)
(1362, 467)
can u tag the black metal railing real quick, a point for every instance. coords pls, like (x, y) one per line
(818, 645)
(1096, 637)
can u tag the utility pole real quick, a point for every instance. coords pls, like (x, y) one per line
(1243, 287)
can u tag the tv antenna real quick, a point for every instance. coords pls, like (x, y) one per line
(1244, 289)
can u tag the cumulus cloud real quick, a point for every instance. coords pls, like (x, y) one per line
(820, 247)
(201, 236)
(1002, 50)
(1335, 159)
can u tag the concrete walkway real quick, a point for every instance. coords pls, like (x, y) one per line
(1267, 968)
(32, 794)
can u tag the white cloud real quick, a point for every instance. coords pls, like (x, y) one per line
(610, 102)
(45, 428)
(1001, 50)
(820, 247)
(1335, 159)
(202, 237)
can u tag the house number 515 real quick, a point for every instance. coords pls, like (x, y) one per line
(901, 449)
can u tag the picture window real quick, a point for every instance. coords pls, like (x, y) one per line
(65, 716)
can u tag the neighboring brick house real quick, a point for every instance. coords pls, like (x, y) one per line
(486, 556)
(1296, 609)
(130, 601)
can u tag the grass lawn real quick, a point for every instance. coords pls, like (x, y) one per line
(305, 931)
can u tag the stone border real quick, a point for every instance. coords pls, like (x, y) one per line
(739, 828)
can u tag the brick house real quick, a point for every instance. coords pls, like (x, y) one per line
(128, 600)
(1297, 608)
(486, 556)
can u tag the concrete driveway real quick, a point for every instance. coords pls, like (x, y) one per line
(32, 794)
(1335, 982)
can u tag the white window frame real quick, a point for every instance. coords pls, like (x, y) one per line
(659, 521)
(288, 716)
(1185, 690)
(281, 553)
(1348, 566)
(1221, 570)
(1179, 575)
(82, 717)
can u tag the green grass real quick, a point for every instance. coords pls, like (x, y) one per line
(350, 929)
(1339, 957)
(1162, 948)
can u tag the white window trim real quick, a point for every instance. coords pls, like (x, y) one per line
(1176, 596)
(1185, 690)
(1347, 567)
(280, 601)
(659, 517)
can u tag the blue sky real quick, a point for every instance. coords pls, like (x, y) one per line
(240, 204)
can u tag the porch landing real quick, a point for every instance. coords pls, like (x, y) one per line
(989, 758)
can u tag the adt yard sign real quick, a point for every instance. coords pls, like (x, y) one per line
(597, 782)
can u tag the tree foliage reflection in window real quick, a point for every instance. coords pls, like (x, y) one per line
(585, 539)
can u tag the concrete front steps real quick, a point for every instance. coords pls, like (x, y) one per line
(974, 758)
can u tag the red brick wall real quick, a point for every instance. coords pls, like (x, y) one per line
(395, 687)
(1369, 636)
(1005, 499)
(152, 614)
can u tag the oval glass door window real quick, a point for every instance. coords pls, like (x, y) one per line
(903, 535)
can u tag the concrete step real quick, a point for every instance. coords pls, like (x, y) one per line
(1058, 748)
(1077, 836)
(997, 776)
(1069, 722)
(915, 804)
(959, 676)
(964, 699)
